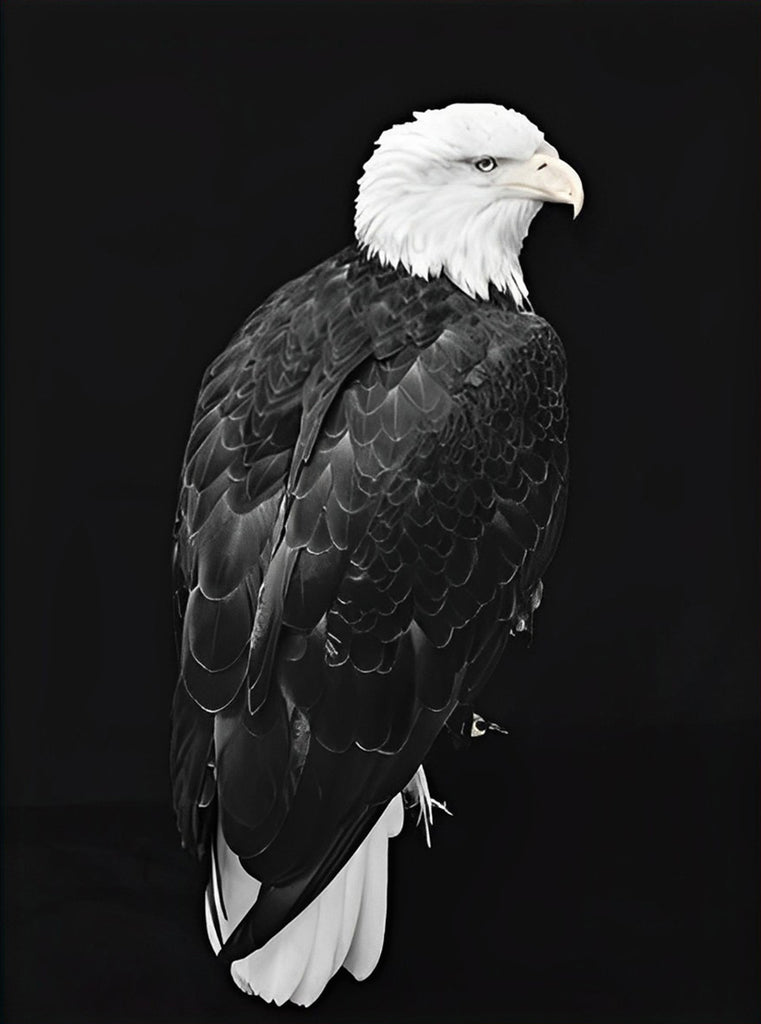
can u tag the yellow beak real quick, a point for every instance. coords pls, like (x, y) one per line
(544, 177)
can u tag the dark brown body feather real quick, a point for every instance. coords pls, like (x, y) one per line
(374, 485)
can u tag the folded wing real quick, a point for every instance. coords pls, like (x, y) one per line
(357, 574)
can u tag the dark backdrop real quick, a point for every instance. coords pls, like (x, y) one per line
(167, 166)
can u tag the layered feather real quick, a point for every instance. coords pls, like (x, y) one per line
(374, 485)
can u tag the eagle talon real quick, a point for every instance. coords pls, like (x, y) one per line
(479, 727)
(417, 792)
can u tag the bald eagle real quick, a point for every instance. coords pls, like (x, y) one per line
(373, 488)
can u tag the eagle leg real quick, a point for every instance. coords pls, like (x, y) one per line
(418, 794)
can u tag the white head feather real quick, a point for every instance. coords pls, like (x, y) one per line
(423, 204)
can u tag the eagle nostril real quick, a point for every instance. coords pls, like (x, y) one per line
(541, 167)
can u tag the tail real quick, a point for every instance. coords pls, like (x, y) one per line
(343, 927)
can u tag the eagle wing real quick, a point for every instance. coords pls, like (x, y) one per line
(369, 503)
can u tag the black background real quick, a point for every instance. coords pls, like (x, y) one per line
(167, 166)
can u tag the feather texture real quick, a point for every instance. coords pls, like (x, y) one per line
(374, 485)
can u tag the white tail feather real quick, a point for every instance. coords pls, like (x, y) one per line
(367, 942)
(344, 926)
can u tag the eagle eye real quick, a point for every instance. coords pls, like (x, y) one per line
(486, 164)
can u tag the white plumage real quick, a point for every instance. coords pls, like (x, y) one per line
(421, 206)
(343, 927)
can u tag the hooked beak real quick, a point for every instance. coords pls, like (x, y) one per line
(544, 177)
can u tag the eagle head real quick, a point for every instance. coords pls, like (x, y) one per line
(454, 191)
